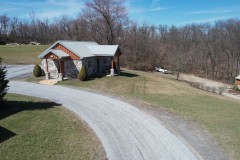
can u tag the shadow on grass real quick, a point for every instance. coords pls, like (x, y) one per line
(5, 134)
(122, 74)
(9, 108)
(126, 74)
(95, 77)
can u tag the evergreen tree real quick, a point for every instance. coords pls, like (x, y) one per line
(3, 82)
(82, 74)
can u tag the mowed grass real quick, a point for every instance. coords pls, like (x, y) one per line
(21, 54)
(32, 128)
(219, 114)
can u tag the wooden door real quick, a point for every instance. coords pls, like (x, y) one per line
(62, 67)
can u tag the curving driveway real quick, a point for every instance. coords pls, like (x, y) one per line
(18, 71)
(125, 132)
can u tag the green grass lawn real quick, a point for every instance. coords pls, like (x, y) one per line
(219, 114)
(32, 128)
(21, 54)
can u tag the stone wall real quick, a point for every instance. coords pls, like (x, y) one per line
(91, 64)
(52, 67)
(72, 67)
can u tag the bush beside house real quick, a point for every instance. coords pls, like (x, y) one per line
(82, 74)
(37, 71)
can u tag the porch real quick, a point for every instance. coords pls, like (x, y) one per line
(54, 66)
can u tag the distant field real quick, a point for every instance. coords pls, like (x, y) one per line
(21, 54)
(219, 114)
(33, 128)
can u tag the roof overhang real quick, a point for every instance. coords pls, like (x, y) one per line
(104, 50)
(237, 78)
(60, 54)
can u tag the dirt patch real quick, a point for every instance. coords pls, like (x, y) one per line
(214, 84)
(49, 82)
(206, 82)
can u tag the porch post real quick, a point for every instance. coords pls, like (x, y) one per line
(47, 74)
(46, 65)
(112, 67)
(112, 63)
(59, 64)
(60, 75)
(118, 65)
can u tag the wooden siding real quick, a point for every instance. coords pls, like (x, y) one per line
(118, 52)
(51, 56)
(237, 82)
(71, 54)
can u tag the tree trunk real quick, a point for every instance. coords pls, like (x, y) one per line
(237, 68)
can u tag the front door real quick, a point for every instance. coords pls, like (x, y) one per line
(62, 67)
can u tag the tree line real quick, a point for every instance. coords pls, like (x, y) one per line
(211, 50)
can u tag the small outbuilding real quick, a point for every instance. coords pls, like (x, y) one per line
(237, 80)
(66, 58)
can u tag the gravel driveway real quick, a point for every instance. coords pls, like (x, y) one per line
(125, 132)
(19, 71)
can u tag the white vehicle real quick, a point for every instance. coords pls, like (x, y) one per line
(161, 70)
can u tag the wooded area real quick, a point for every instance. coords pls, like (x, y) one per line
(211, 50)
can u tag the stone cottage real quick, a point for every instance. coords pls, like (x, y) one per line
(65, 59)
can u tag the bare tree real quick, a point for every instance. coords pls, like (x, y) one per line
(4, 23)
(106, 18)
(211, 50)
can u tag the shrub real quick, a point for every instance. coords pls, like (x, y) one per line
(221, 89)
(201, 86)
(37, 71)
(190, 83)
(235, 87)
(214, 90)
(82, 74)
(197, 85)
(207, 88)
(3, 82)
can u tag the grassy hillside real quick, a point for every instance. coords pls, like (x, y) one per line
(32, 128)
(21, 54)
(219, 114)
